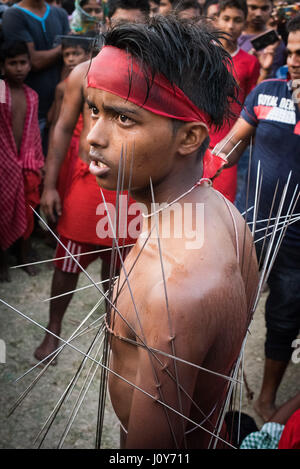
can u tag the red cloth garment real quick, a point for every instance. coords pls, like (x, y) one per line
(116, 71)
(84, 218)
(211, 164)
(32, 198)
(13, 164)
(290, 438)
(66, 170)
(65, 263)
(246, 72)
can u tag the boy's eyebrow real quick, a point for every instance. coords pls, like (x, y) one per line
(89, 102)
(293, 52)
(119, 109)
(115, 108)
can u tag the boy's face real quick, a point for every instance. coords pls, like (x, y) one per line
(73, 56)
(147, 138)
(293, 58)
(93, 8)
(231, 21)
(259, 12)
(212, 13)
(154, 8)
(165, 7)
(133, 15)
(189, 14)
(17, 68)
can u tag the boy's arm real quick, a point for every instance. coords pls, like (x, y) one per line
(61, 137)
(54, 111)
(41, 59)
(241, 133)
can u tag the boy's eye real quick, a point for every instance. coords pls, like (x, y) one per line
(93, 109)
(124, 119)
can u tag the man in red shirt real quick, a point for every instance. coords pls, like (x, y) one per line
(231, 19)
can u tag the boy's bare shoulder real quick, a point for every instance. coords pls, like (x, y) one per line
(79, 72)
(60, 88)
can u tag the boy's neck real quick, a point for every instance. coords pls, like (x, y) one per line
(230, 46)
(33, 4)
(177, 183)
(13, 85)
(251, 29)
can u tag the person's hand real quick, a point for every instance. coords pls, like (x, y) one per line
(51, 204)
(266, 56)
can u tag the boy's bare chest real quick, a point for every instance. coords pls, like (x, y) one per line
(19, 108)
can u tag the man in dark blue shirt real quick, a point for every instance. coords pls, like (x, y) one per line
(38, 24)
(272, 114)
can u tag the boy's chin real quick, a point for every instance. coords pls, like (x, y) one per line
(104, 184)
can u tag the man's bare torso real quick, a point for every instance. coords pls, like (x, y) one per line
(203, 305)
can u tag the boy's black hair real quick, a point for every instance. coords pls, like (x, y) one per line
(85, 41)
(82, 3)
(68, 5)
(142, 5)
(207, 4)
(156, 1)
(188, 55)
(13, 49)
(238, 4)
(294, 24)
(182, 5)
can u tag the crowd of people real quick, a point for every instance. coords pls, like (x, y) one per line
(49, 117)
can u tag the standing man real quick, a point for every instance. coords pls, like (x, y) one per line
(272, 115)
(38, 24)
(259, 13)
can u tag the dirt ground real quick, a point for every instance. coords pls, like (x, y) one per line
(22, 336)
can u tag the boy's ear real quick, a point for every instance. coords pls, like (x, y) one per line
(190, 136)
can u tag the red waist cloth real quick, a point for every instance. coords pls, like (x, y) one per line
(32, 198)
(84, 217)
(66, 170)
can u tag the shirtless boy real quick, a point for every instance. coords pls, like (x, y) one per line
(21, 157)
(75, 50)
(200, 308)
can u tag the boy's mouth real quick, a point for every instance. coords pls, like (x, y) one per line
(97, 168)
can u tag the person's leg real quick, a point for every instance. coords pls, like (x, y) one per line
(62, 282)
(24, 247)
(283, 324)
(4, 273)
(273, 373)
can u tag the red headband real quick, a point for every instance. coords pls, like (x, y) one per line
(116, 71)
